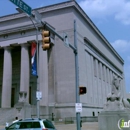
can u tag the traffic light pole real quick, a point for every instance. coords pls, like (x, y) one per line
(74, 48)
(38, 89)
(76, 75)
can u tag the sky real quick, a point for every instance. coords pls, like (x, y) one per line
(112, 18)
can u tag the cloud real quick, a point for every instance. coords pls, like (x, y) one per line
(124, 14)
(121, 45)
(119, 9)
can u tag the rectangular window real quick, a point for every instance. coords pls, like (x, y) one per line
(36, 125)
(25, 125)
(48, 124)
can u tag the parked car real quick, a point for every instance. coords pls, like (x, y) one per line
(35, 124)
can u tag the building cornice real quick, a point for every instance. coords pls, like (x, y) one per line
(20, 29)
(40, 10)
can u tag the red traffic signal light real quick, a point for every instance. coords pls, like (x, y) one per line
(82, 90)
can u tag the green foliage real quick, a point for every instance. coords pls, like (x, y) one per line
(128, 100)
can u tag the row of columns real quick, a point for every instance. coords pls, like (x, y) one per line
(7, 74)
(99, 80)
(24, 76)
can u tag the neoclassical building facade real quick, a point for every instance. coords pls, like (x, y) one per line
(98, 62)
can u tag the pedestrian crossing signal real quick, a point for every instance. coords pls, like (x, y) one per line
(82, 90)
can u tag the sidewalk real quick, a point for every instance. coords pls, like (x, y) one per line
(85, 126)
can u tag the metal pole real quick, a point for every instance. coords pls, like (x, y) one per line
(48, 27)
(38, 103)
(77, 75)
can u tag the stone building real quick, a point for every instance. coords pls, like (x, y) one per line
(97, 60)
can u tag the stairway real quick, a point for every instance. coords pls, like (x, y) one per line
(7, 115)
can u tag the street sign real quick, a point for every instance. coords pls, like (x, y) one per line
(23, 6)
(78, 107)
(38, 95)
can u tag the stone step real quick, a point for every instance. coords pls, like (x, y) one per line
(7, 115)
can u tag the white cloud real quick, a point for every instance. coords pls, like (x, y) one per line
(121, 45)
(119, 9)
(124, 14)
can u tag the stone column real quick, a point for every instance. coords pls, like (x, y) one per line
(93, 86)
(108, 85)
(105, 81)
(43, 76)
(101, 83)
(25, 73)
(97, 83)
(7, 79)
(109, 81)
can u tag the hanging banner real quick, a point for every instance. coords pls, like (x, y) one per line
(33, 58)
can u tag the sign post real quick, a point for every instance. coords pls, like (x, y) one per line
(23, 6)
(78, 107)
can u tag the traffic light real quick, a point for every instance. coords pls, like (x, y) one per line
(82, 90)
(46, 40)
